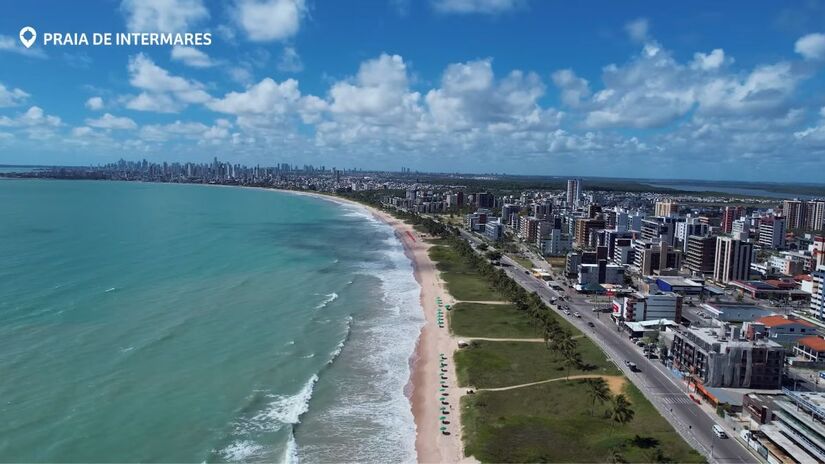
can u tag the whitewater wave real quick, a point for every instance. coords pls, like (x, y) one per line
(241, 451)
(110, 290)
(329, 298)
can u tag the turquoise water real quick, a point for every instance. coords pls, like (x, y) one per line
(151, 322)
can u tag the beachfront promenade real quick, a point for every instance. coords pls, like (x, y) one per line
(659, 386)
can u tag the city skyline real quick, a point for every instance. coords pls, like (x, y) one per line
(688, 93)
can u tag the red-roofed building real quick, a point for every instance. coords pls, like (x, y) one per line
(811, 348)
(785, 330)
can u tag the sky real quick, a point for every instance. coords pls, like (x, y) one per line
(697, 90)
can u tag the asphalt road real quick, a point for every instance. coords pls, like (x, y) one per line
(657, 383)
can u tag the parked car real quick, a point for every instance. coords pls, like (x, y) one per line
(591, 324)
(577, 314)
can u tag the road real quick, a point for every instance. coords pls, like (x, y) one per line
(657, 383)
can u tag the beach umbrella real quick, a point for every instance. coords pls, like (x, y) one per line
(442, 417)
(442, 389)
(443, 428)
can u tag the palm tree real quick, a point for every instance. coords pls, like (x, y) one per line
(598, 391)
(615, 456)
(571, 359)
(622, 412)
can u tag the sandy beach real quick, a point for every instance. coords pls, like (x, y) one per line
(431, 445)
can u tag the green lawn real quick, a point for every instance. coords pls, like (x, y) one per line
(552, 422)
(487, 364)
(492, 321)
(463, 282)
(525, 263)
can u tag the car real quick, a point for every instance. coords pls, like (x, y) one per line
(591, 324)
(577, 314)
(640, 343)
(719, 431)
(632, 366)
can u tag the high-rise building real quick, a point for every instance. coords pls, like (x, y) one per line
(794, 211)
(650, 256)
(574, 192)
(772, 232)
(815, 216)
(818, 251)
(584, 227)
(485, 200)
(818, 292)
(730, 214)
(733, 260)
(666, 208)
(700, 255)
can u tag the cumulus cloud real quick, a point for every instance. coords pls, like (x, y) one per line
(191, 56)
(94, 103)
(708, 61)
(12, 45)
(34, 116)
(476, 6)
(270, 20)
(163, 15)
(637, 29)
(161, 91)
(109, 121)
(811, 46)
(194, 131)
(265, 97)
(290, 61)
(11, 97)
(573, 88)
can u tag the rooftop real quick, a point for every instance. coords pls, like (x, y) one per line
(813, 342)
(777, 321)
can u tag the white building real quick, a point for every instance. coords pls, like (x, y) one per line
(556, 243)
(818, 292)
(648, 306)
(733, 259)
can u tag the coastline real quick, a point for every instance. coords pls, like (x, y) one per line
(430, 444)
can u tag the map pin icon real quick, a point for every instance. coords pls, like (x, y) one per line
(28, 42)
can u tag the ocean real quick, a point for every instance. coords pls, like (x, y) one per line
(189, 323)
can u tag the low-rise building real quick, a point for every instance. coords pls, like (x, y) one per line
(556, 243)
(648, 306)
(720, 357)
(811, 348)
(601, 273)
(785, 330)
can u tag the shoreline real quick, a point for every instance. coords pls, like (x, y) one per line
(423, 386)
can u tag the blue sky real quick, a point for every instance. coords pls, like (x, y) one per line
(716, 90)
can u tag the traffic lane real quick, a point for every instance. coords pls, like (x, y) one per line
(658, 387)
(661, 384)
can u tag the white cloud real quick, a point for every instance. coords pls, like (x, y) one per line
(162, 91)
(191, 56)
(270, 20)
(573, 88)
(12, 45)
(109, 121)
(638, 29)
(11, 97)
(94, 103)
(193, 131)
(811, 46)
(34, 116)
(710, 61)
(476, 6)
(163, 15)
(290, 61)
(265, 97)
(379, 89)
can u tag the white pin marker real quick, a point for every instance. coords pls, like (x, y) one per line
(28, 42)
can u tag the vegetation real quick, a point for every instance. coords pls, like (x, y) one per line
(494, 364)
(552, 422)
(490, 321)
(555, 421)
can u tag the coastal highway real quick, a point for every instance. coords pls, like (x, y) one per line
(656, 382)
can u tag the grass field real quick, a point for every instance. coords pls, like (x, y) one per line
(487, 364)
(525, 263)
(493, 321)
(463, 282)
(553, 423)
